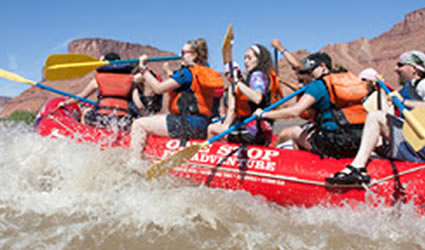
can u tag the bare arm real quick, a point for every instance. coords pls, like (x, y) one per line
(414, 104)
(254, 95)
(295, 63)
(230, 114)
(89, 90)
(407, 103)
(153, 83)
(135, 96)
(293, 111)
(136, 99)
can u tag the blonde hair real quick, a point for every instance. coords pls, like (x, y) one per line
(200, 47)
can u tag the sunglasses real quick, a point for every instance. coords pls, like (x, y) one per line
(187, 52)
(400, 65)
(304, 72)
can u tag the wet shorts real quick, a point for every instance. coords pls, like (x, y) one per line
(196, 126)
(341, 143)
(399, 148)
(256, 132)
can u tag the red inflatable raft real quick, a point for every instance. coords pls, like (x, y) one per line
(287, 177)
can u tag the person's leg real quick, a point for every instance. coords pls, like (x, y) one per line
(376, 125)
(142, 127)
(303, 136)
(289, 133)
(87, 116)
(216, 128)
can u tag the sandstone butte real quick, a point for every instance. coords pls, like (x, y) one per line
(380, 53)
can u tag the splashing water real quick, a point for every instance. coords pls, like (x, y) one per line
(56, 194)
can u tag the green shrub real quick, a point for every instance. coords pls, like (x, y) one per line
(24, 116)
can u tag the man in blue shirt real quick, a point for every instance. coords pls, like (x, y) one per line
(411, 71)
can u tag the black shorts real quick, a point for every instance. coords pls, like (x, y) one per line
(256, 132)
(399, 148)
(196, 126)
(341, 143)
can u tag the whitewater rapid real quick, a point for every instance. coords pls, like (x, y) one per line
(56, 194)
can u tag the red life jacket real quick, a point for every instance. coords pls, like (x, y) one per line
(205, 81)
(114, 90)
(273, 94)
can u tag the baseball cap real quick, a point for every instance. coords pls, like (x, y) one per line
(415, 58)
(369, 74)
(310, 62)
(235, 65)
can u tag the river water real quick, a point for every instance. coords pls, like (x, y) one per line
(55, 194)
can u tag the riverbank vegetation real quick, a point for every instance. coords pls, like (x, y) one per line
(21, 116)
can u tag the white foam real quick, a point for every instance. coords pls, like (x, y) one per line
(57, 194)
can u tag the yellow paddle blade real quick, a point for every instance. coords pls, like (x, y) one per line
(371, 103)
(68, 66)
(414, 127)
(226, 49)
(57, 59)
(174, 160)
(14, 77)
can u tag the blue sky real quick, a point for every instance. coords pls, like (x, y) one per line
(32, 30)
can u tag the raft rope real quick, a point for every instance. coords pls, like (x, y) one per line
(76, 135)
(60, 123)
(310, 182)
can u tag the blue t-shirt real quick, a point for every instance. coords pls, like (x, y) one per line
(318, 90)
(184, 77)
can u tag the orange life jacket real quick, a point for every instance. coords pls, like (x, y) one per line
(205, 81)
(346, 92)
(114, 89)
(273, 94)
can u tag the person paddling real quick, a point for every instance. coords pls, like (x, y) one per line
(191, 95)
(410, 69)
(340, 115)
(115, 86)
(260, 89)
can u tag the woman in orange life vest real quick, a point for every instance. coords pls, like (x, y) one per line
(340, 114)
(257, 91)
(191, 94)
(115, 86)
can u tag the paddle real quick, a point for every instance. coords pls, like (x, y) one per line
(68, 66)
(17, 78)
(413, 129)
(377, 100)
(226, 51)
(186, 153)
(276, 58)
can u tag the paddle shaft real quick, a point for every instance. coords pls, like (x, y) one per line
(64, 93)
(253, 117)
(416, 126)
(395, 99)
(276, 58)
(151, 59)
